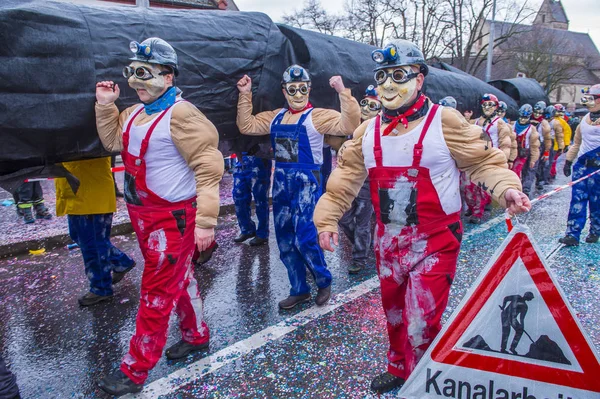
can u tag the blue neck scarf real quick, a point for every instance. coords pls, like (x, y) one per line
(520, 128)
(163, 102)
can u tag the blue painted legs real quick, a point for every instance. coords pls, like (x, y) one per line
(92, 234)
(295, 194)
(584, 192)
(253, 177)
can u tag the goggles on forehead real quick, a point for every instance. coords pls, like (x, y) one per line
(373, 105)
(141, 72)
(292, 90)
(398, 75)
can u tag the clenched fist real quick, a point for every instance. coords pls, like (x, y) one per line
(245, 84)
(337, 83)
(107, 92)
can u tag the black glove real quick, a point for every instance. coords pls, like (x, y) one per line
(567, 168)
(566, 149)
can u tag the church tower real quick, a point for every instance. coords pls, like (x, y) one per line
(552, 15)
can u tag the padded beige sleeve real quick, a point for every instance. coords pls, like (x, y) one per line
(328, 121)
(110, 125)
(253, 125)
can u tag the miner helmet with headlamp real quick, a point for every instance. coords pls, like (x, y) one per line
(448, 101)
(539, 108)
(525, 113)
(398, 52)
(155, 50)
(550, 112)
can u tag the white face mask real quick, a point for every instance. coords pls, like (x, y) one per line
(396, 95)
(148, 90)
(298, 100)
(489, 109)
(365, 110)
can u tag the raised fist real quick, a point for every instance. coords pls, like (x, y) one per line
(337, 83)
(107, 92)
(245, 84)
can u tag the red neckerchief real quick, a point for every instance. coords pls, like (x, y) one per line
(293, 111)
(538, 119)
(402, 117)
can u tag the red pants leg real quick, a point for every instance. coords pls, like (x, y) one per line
(190, 311)
(475, 199)
(415, 278)
(166, 238)
(554, 162)
(518, 166)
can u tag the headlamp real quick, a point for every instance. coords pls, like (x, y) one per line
(296, 72)
(388, 54)
(140, 49)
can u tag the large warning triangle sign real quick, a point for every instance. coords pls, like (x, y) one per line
(514, 335)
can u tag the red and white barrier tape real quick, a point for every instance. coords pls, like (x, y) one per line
(115, 169)
(548, 194)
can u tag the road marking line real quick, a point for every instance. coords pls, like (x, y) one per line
(227, 355)
(214, 362)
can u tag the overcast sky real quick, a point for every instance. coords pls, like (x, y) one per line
(584, 15)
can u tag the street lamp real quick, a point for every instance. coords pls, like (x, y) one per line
(488, 68)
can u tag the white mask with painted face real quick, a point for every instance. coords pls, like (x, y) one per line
(297, 94)
(152, 86)
(370, 109)
(395, 95)
(489, 108)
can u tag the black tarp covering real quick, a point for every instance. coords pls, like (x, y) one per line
(523, 90)
(53, 54)
(327, 55)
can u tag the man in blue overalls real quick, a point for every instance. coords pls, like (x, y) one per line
(583, 158)
(297, 138)
(252, 176)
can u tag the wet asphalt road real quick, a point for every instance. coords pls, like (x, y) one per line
(58, 349)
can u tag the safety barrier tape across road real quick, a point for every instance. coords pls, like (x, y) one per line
(115, 169)
(548, 194)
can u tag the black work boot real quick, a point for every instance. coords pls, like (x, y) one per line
(243, 237)
(182, 348)
(323, 295)
(27, 215)
(118, 384)
(474, 220)
(293, 300)
(41, 212)
(569, 241)
(354, 268)
(386, 382)
(91, 299)
(118, 276)
(257, 241)
(591, 238)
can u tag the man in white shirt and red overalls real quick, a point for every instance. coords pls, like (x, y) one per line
(172, 174)
(413, 152)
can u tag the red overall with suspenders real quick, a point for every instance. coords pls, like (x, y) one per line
(416, 257)
(165, 232)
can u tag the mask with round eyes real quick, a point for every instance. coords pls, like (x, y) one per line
(369, 108)
(148, 80)
(523, 120)
(296, 95)
(488, 108)
(591, 102)
(396, 86)
(501, 113)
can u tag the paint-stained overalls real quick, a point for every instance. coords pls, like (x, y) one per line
(252, 176)
(165, 232)
(587, 191)
(298, 149)
(521, 165)
(418, 235)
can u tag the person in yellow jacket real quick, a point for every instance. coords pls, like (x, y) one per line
(560, 125)
(90, 214)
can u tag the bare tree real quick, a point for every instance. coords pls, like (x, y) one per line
(314, 17)
(468, 18)
(547, 57)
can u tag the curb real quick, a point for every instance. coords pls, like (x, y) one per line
(61, 240)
